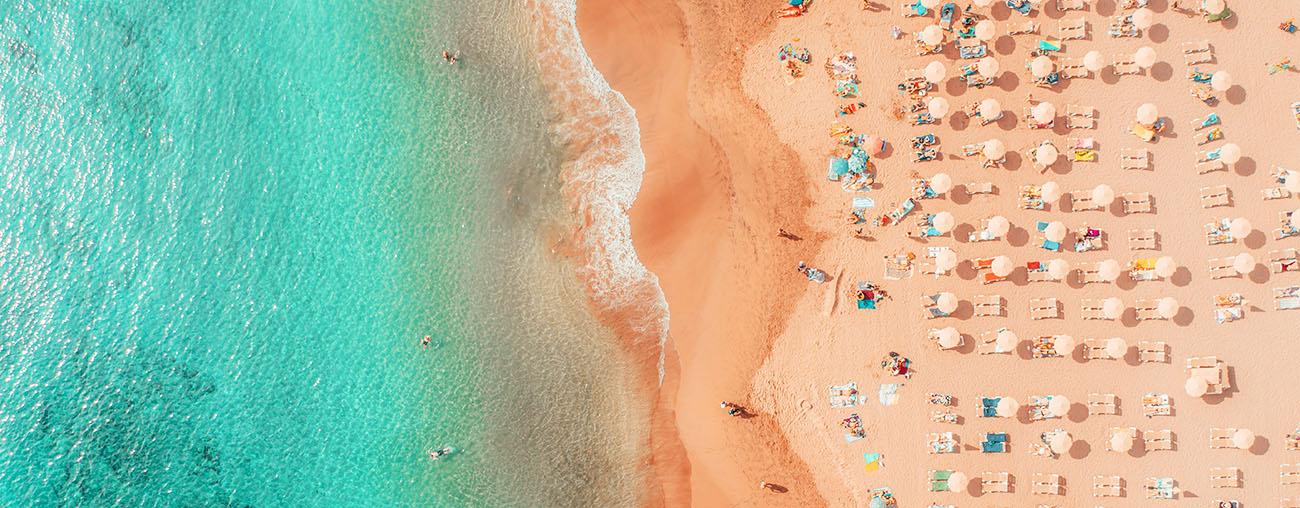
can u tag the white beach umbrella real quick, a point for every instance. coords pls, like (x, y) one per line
(1239, 227)
(1196, 386)
(1166, 266)
(949, 338)
(935, 71)
(994, 149)
(1167, 307)
(1093, 61)
(1061, 442)
(1007, 407)
(1294, 220)
(1147, 114)
(1057, 268)
(999, 225)
(1043, 112)
(1243, 438)
(1006, 340)
(938, 106)
(932, 35)
(1108, 270)
(946, 303)
(1121, 442)
(989, 109)
(1002, 266)
(1213, 6)
(945, 260)
(1064, 345)
(1041, 66)
(1116, 347)
(1142, 18)
(1112, 308)
(1244, 263)
(1103, 195)
(929, 4)
(1050, 191)
(1059, 406)
(1055, 231)
(1230, 153)
(1221, 81)
(943, 221)
(985, 30)
(957, 482)
(1292, 181)
(941, 182)
(1145, 57)
(988, 66)
(1046, 154)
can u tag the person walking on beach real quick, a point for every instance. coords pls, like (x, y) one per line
(781, 232)
(732, 408)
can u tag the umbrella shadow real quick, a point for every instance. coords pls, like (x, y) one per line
(1181, 277)
(1017, 236)
(1081, 449)
(1162, 71)
(1184, 316)
(1077, 413)
(1260, 447)
(1008, 81)
(1014, 160)
(1245, 166)
(1255, 239)
(1236, 95)
(1158, 33)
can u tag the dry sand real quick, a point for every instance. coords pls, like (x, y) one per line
(719, 182)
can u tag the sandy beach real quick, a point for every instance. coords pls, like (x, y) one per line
(736, 149)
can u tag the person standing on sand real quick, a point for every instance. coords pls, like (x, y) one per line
(781, 232)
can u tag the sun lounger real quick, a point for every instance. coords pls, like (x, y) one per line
(1142, 239)
(1210, 136)
(1228, 307)
(1137, 202)
(1293, 440)
(998, 483)
(939, 480)
(1072, 29)
(1284, 260)
(1095, 349)
(1218, 195)
(1135, 158)
(1210, 166)
(1153, 351)
(1071, 5)
(1216, 233)
(1046, 484)
(988, 343)
(1146, 310)
(1197, 52)
(1091, 308)
(1080, 121)
(1221, 438)
(1089, 273)
(1289, 474)
(1081, 201)
(1158, 440)
(1124, 65)
(1103, 404)
(845, 395)
(1286, 298)
(1107, 486)
(975, 188)
(1037, 272)
(942, 442)
(1027, 28)
(1044, 308)
(1157, 404)
(1072, 69)
(994, 442)
(1222, 268)
(1045, 347)
(1271, 193)
(988, 305)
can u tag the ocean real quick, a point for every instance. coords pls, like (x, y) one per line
(225, 226)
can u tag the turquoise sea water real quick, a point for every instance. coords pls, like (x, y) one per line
(224, 226)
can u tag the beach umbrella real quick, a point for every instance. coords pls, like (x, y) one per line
(988, 67)
(941, 182)
(982, 3)
(1043, 112)
(1221, 81)
(1040, 67)
(1002, 266)
(1007, 407)
(1230, 153)
(873, 144)
(1142, 18)
(1244, 263)
(1147, 114)
(943, 222)
(985, 30)
(929, 4)
(1213, 6)
(1243, 438)
(1093, 61)
(1145, 57)
(1239, 227)
(1050, 191)
(1108, 270)
(949, 338)
(938, 106)
(1167, 307)
(1057, 268)
(1060, 442)
(932, 35)
(990, 108)
(1292, 181)
(1165, 266)
(1006, 340)
(877, 502)
(1294, 220)
(1103, 195)
(1064, 345)
(994, 149)
(945, 260)
(1046, 154)
(1055, 231)
(934, 72)
(1112, 308)
(1196, 386)
(947, 302)
(957, 482)
(1121, 442)
(1059, 406)
(1116, 347)
(999, 225)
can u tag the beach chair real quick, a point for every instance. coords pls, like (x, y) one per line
(971, 47)
(942, 442)
(1282, 261)
(1124, 66)
(1037, 272)
(1072, 68)
(1204, 123)
(1081, 201)
(1090, 309)
(1103, 404)
(939, 480)
(1153, 351)
(1205, 138)
(988, 343)
(1142, 239)
(1135, 158)
(1029, 27)
(977, 188)
(995, 483)
(989, 305)
(1090, 273)
(1071, 5)
(1137, 202)
(1080, 117)
(1221, 438)
(1210, 166)
(1158, 440)
(845, 395)
(1216, 196)
(1272, 193)
(1228, 307)
(1157, 404)
(1222, 268)
(1146, 310)
(1197, 52)
(1286, 298)
(1289, 474)
(1047, 484)
(1046, 347)
(1107, 486)
(1044, 308)
(1293, 440)
(994, 442)
(1216, 233)
(1072, 29)
(1095, 349)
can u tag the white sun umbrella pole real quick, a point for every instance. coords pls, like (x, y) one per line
(1108, 270)
(1145, 57)
(1112, 308)
(1243, 263)
(1165, 267)
(957, 482)
(1103, 195)
(1006, 340)
(1060, 442)
(1050, 191)
(1064, 345)
(1093, 61)
(1058, 268)
(949, 338)
(1002, 266)
(943, 221)
(998, 225)
(985, 30)
(1196, 386)
(1116, 347)
(1239, 227)
(1147, 114)
(1167, 307)
(1055, 231)
(1230, 153)
(934, 72)
(947, 303)
(1143, 18)
(941, 183)
(1059, 406)
(1221, 81)
(1043, 112)
(938, 106)
(945, 260)
(988, 67)
(1041, 66)
(1243, 439)
(1121, 442)
(1213, 6)
(1007, 407)
(1046, 154)
(989, 109)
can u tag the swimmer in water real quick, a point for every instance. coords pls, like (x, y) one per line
(449, 57)
(428, 339)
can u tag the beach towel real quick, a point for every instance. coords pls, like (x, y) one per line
(845, 395)
(873, 461)
(862, 203)
(889, 394)
(838, 168)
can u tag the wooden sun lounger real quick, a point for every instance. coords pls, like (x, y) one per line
(1135, 158)
(1289, 502)
(1289, 474)
(1225, 478)
(1090, 275)
(988, 343)
(1142, 239)
(1285, 260)
(1221, 438)
(1072, 29)
(1028, 28)
(1221, 268)
(1081, 201)
(1071, 5)
(1157, 404)
(1090, 308)
(1158, 440)
(1103, 404)
(1044, 308)
(1150, 351)
(1081, 117)
(1219, 195)
(974, 188)
(1137, 202)
(1271, 193)
(1146, 310)
(1124, 66)
(1197, 52)
(989, 305)
(1210, 166)
(1074, 70)
(1095, 349)
(908, 10)
(1107, 486)
(1047, 484)
(999, 482)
